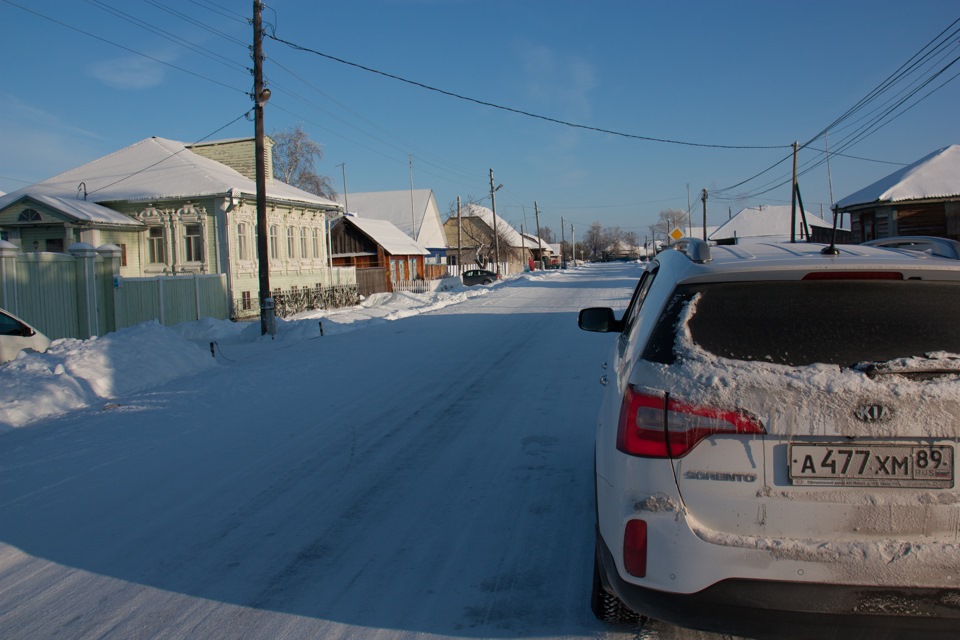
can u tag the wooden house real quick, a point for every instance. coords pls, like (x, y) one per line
(385, 258)
(472, 241)
(412, 211)
(922, 199)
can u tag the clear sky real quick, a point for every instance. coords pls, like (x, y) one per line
(83, 78)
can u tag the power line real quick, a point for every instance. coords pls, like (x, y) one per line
(518, 111)
(209, 135)
(207, 53)
(199, 23)
(120, 46)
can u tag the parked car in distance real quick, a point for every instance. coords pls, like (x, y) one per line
(935, 245)
(479, 276)
(16, 335)
(777, 443)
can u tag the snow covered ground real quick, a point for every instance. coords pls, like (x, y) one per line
(422, 470)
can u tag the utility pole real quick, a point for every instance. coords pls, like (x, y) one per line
(536, 215)
(496, 230)
(563, 241)
(459, 237)
(260, 97)
(346, 207)
(573, 243)
(523, 245)
(793, 198)
(704, 196)
(413, 212)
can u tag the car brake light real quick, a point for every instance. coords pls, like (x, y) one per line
(635, 548)
(650, 429)
(854, 275)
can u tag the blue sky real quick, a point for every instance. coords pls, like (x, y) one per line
(85, 78)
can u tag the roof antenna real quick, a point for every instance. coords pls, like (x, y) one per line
(832, 249)
(82, 187)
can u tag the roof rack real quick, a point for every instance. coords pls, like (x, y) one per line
(937, 246)
(694, 248)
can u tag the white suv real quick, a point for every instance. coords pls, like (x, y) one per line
(776, 446)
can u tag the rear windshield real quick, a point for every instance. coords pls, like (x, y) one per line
(797, 323)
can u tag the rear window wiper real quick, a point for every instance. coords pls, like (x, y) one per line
(878, 369)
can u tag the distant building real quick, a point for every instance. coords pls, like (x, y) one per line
(772, 224)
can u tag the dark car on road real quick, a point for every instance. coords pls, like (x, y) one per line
(479, 276)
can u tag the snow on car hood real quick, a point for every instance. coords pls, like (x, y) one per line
(815, 400)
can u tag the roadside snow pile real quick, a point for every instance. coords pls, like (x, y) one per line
(73, 374)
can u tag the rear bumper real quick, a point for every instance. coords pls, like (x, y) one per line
(782, 610)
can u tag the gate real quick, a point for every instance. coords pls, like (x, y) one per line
(372, 280)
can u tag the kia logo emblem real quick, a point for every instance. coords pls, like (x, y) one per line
(872, 413)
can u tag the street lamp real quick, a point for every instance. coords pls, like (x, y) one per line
(496, 232)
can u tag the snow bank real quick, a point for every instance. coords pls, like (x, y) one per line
(79, 373)
(76, 374)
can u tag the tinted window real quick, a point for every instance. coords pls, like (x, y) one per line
(800, 323)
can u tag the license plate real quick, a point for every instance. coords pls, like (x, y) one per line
(871, 465)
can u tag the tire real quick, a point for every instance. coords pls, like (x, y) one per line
(488, 281)
(608, 607)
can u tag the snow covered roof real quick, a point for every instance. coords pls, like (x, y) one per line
(83, 210)
(531, 240)
(765, 222)
(158, 169)
(935, 176)
(387, 235)
(507, 232)
(396, 207)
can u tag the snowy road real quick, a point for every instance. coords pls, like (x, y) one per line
(424, 478)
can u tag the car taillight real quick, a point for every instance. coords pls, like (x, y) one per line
(649, 428)
(635, 548)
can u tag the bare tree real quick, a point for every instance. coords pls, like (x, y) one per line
(669, 219)
(594, 240)
(295, 155)
(547, 234)
(481, 236)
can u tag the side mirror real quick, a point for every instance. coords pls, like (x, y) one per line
(599, 319)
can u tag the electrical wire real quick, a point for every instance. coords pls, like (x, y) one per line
(198, 23)
(223, 11)
(185, 148)
(207, 53)
(120, 46)
(528, 114)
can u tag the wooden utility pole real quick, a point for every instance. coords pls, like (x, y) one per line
(413, 211)
(563, 240)
(496, 230)
(793, 198)
(573, 243)
(260, 97)
(459, 237)
(536, 215)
